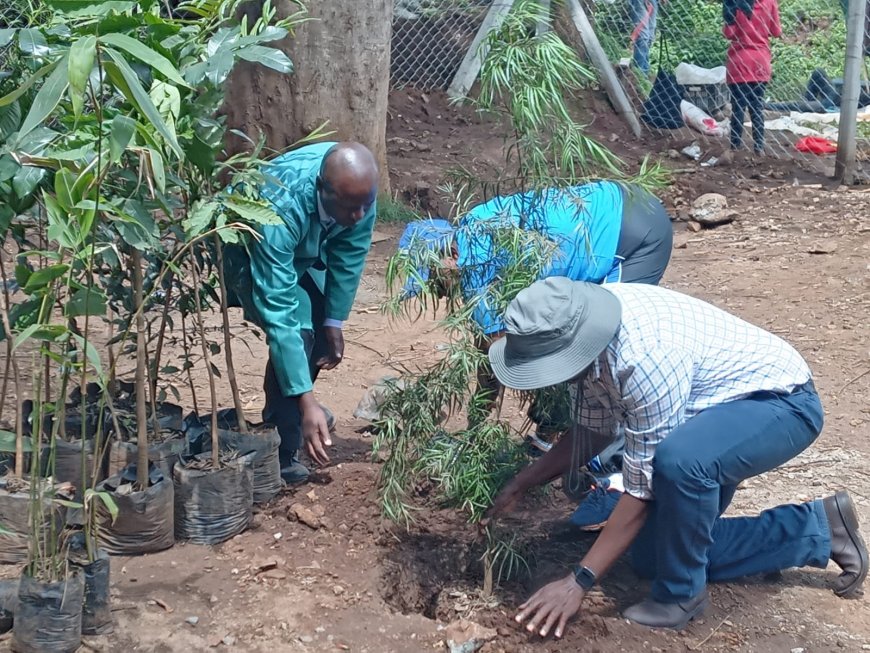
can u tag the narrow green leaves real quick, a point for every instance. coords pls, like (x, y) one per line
(85, 302)
(125, 79)
(32, 42)
(47, 99)
(30, 81)
(119, 137)
(145, 54)
(81, 61)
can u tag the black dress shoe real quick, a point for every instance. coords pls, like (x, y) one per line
(294, 472)
(847, 547)
(667, 615)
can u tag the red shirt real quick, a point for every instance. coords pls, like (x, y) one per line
(749, 52)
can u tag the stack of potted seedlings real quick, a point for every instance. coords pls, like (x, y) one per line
(109, 148)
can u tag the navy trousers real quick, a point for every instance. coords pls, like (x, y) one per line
(283, 411)
(685, 542)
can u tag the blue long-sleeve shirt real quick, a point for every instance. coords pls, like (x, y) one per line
(584, 222)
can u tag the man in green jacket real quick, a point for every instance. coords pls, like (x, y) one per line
(298, 282)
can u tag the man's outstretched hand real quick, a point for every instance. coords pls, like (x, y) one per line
(505, 501)
(315, 431)
(552, 605)
(334, 348)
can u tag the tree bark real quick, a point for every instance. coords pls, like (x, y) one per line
(342, 75)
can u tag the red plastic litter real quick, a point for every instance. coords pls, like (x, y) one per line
(815, 145)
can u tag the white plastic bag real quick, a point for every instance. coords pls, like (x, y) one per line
(700, 121)
(688, 74)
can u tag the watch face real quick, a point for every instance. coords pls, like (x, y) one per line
(585, 577)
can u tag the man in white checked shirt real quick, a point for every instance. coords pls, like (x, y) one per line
(705, 400)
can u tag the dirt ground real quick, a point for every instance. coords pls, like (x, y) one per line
(795, 261)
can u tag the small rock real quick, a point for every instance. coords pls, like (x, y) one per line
(797, 650)
(673, 154)
(306, 639)
(229, 640)
(192, 620)
(265, 565)
(711, 209)
(465, 636)
(822, 248)
(694, 226)
(303, 515)
(338, 590)
(213, 599)
(274, 574)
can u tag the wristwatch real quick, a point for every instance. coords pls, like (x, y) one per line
(585, 577)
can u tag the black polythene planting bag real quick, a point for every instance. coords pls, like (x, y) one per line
(662, 108)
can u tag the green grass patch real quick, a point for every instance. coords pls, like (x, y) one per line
(391, 210)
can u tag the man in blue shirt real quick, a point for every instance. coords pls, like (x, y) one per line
(299, 279)
(601, 232)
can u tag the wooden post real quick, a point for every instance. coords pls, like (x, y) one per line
(844, 169)
(543, 26)
(605, 70)
(470, 66)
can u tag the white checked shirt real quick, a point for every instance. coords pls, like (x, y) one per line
(672, 357)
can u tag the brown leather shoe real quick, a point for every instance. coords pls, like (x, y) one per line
(847, 547)
(676, 616)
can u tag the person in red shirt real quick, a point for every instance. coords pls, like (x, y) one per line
(749, 25)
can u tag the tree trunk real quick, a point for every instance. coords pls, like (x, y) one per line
(342, 75)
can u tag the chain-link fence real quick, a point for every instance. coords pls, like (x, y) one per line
(673, 57)
(712, 73)
(430, 39)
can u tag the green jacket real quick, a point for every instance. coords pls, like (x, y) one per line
(264, 276)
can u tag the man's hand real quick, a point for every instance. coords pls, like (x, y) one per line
(334, 348)
(315, 432)
(552, 605)
(505, 501)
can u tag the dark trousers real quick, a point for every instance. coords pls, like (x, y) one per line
(646, 239)
(749, 95)
(283, 411)
(685, 541)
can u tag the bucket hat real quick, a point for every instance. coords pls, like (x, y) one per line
(555, 329)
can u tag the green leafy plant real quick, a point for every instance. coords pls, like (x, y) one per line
(110, 165)
(528, 80)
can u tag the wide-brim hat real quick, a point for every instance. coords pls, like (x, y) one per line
(555, 329)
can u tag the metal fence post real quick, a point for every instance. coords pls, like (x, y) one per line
(470, 66)
(599, 59)
(844, 170)
(543, 26)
